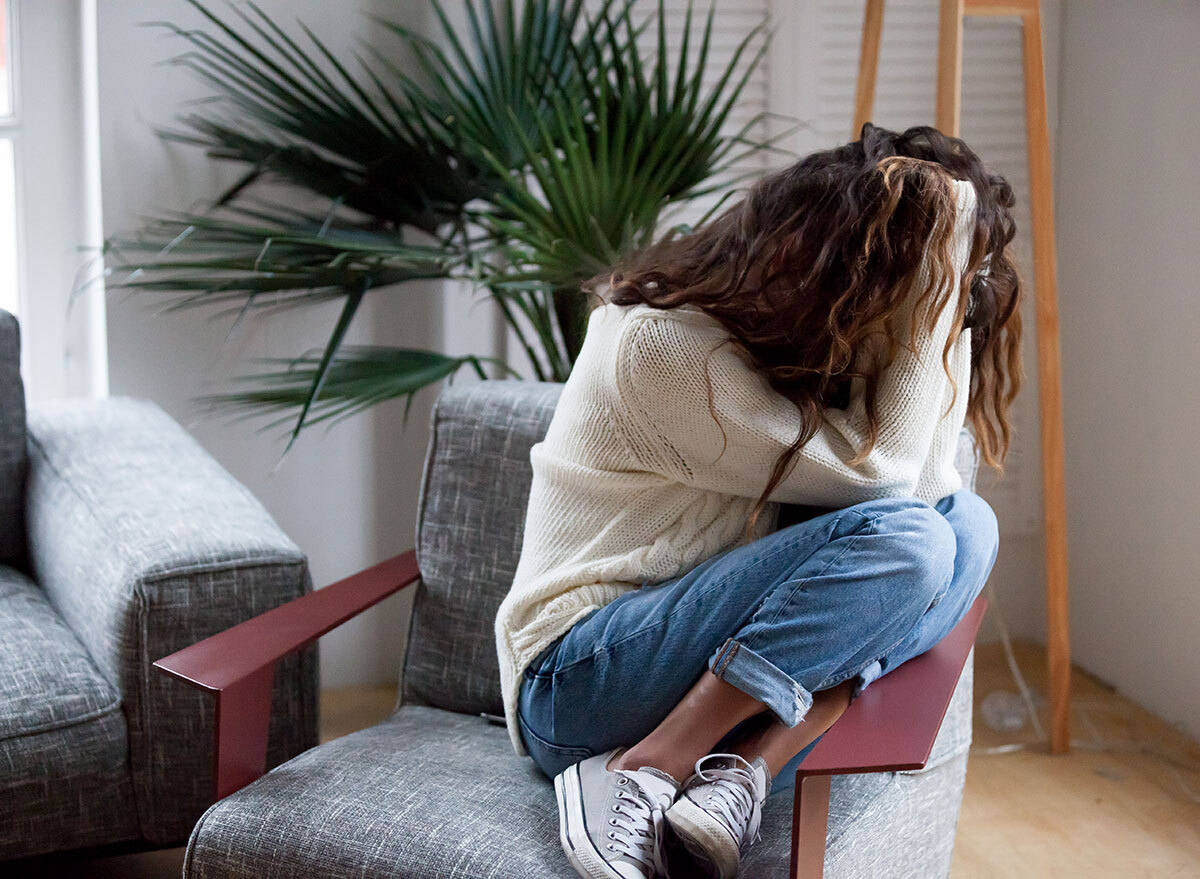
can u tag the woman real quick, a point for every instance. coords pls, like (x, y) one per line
(666, 650)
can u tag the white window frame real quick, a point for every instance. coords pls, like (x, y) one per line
(10, 125)
(54, 131)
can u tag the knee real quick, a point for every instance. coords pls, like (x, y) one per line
(976, 531)
(920, 546)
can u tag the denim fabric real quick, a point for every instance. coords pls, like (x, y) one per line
(848, 594)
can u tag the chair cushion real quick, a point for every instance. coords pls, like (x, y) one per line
(470, 521)
(13, 460)
(432, 794)
(64, 771)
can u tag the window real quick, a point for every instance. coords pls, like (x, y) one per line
(9, 298)
(49, 203)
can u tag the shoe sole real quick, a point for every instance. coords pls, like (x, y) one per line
(572, 830)
(709, 844)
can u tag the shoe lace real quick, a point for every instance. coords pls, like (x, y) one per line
(731, 795)
(636, 825)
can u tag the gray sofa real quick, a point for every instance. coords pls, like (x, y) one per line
(120, 541)
(435, 792)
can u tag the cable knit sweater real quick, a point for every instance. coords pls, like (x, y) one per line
(636, 482)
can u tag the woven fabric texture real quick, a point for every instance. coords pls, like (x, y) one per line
(433, 794)
(64, 772)
(471, 515)
(143, 545)
(438, 793)
(13, 459)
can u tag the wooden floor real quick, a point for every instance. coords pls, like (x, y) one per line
(1125, 803)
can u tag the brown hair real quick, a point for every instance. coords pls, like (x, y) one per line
(811, 272)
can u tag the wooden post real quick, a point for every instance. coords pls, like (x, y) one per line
(949, 70)
(1041, 196)
(868, 66)
(1054, 491)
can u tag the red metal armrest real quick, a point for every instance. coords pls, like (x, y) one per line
(238, 665)
(890, 727)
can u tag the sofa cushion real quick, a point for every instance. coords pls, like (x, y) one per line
(47, 679)
(64, 770)
(470, 521)
(13, 460)
(432, 794)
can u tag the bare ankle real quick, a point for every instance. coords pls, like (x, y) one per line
(635, 758)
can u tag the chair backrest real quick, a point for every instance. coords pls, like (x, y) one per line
(470, 521)
(13, 454)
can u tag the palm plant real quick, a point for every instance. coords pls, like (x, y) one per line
(525, 154)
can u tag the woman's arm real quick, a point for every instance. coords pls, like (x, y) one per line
(664, 401)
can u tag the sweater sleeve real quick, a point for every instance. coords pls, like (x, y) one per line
(671, 367)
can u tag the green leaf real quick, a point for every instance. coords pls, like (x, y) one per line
(358, 377)
(354, 299)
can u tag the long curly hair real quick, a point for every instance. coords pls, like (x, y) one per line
(812, 270)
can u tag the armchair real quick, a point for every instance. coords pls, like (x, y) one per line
(435, 791)
(122, 540)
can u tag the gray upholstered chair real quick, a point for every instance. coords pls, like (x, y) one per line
(120, 540)
(436, 792)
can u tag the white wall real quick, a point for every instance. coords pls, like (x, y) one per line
(347, 495)
(1129, 232)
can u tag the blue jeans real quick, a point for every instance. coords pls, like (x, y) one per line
(848, 594)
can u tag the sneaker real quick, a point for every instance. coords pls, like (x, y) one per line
(717, 815)
(611, 821)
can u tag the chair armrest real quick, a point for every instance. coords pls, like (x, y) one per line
(890, 727)
(238, 665)
(145, 544)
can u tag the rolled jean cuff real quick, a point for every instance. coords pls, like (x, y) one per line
(868, 675)
(737, 664)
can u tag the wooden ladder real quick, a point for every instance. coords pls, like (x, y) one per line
(949, 105)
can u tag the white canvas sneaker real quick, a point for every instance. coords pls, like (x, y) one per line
(611, 821)
(719, 810)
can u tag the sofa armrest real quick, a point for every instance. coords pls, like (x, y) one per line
(144, 544)
(238, 665)
(890, 727)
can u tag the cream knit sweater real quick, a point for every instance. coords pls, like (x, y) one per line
(636, 482)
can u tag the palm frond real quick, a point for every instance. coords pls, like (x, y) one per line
(298, 115)
(528, 151)
(251, 259)
(601, 173)
(358, 377)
